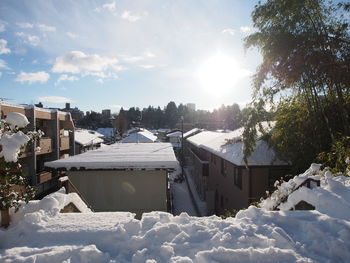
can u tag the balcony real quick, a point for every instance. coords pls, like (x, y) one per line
(64, 143)
(45, 144)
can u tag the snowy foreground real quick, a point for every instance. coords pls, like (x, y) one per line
(39, 233)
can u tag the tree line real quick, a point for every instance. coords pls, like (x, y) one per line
(226, 117)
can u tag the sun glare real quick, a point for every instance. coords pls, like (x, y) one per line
(219, 74)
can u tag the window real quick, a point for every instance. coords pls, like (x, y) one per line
(238, 177)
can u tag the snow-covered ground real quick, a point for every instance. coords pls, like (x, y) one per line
(39, 233)
(182, 201)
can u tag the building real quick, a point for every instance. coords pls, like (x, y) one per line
(141, 135)
(106, 113)
(123, 176)
(76, 114)
(86, 140)
(220, 174)
(57, 142)
(191, 106)
(175, 138)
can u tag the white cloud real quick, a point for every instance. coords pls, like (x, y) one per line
(131, 59)
(229, 31)
(72, 35)
(3, 47)
(2, 26)
(40, 76)
(132, 16)
(245, 29)
(3, 64)
(136, 59)
(65, 77)
(146, 66)
(46, 28)
(78, 62)
(29, 39)
(54, 99)
(102, 76)
(25, 25)
(111, 7)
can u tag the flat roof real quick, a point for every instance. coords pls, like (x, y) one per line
(122, 156)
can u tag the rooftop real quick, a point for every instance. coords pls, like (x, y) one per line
(229, 146)
(122, 156)
(87, 137)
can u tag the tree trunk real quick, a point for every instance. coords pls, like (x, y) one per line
(5, 218)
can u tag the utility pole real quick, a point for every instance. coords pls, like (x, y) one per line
(182, 147)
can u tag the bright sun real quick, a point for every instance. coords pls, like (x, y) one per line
(219, 74)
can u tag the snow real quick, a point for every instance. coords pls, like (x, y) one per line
(122, 156)
(203, 137)
(16, 119)
(107, 132)
(182, 201)
(174, 134)
(332, 190)
(143, 136)
(201, 205)
(40, 234)
(87, 137)
(229, 146)
(11, 145)
(192, 132)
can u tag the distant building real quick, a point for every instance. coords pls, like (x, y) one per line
(75, 112)
(57, 142)
(191, 106)
(143, 136)
(86, 140)
(106, 113)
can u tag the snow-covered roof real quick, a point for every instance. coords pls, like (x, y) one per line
(229, 146)
(140, 136)
(87, 137)
(107, 132)
(174, 134)
(203, 137)
(122, 156)
(163, 130)
(30, 106)
(191, 132)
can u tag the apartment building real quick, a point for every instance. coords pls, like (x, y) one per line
(221, 177)
(57, 142)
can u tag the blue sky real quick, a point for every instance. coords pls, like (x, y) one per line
(107, 54)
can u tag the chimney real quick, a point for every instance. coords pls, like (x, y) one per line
(67, 106)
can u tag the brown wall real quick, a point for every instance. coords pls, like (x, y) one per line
(229, 187)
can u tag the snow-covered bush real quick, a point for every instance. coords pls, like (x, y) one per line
(288, 194)
(13, 185)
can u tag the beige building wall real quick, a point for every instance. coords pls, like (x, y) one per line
(132, 191)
